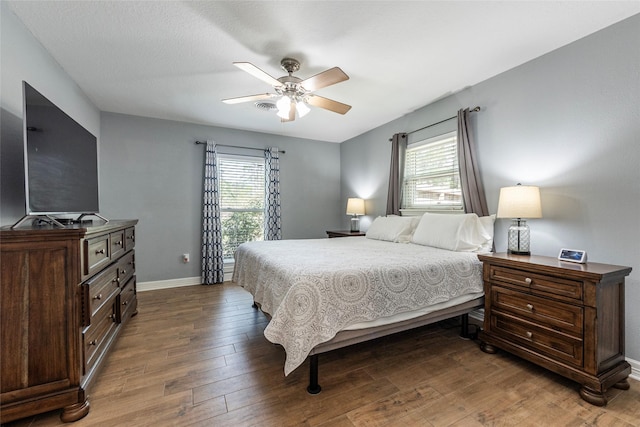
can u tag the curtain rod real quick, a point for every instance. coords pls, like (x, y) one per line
(475, 110)
(238, 146)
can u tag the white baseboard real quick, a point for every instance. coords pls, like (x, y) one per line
(177, 283)
(166, 284)
(635, 369)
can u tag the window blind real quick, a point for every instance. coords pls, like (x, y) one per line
(242, 198)
(432, 175)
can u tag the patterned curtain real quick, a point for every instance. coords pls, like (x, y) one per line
(394, 195)
(272, 226)
(212, 261)
(473, 195)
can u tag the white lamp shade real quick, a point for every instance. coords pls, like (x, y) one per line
(355, 206)
(519, 201)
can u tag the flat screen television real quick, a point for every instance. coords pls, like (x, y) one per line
(61, 160)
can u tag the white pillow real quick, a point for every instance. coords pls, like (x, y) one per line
(455, 232)
(487, 225)
(391, 229)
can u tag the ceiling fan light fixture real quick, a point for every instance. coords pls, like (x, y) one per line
(302, 108)
(283, 104)
(294, 95)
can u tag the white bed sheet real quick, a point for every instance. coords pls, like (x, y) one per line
(315, 288)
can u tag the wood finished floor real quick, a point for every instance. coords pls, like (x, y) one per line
(196, 356)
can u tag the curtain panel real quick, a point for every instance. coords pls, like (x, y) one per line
(396, 173)
(212, 260)
(272, 221)
(473, 195)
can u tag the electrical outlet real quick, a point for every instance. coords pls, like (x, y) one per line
(185, 258)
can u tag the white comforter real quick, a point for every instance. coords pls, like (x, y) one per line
(314, 288)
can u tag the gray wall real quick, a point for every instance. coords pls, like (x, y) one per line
(24, 58)
(568, 122)
(152, 170)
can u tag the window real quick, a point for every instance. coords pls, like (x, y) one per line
(431, 175)
(242, 195)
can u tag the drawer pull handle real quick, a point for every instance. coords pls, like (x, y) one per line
(529, 334)
(100, 252)
(93, 342)
(123, 271)
(124, 303)
(118, 243)
(112, 316)
(530, 307)
(528, 280)
(99, 296)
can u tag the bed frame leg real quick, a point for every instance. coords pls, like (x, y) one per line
(464, 330)
(314, 387)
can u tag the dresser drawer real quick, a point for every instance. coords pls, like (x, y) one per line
(101, 290)
(555, 287)
(97, 336)
(543, 311)
(127, 301)
(116, 240)
(96, 254)
(541, 340)
(129, 238)
(126, 267)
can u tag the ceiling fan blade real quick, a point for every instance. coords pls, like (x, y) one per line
(248, 98)
(257, 72)
(326, 78)
(328, 104)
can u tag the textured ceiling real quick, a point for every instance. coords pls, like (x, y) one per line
(173, 59)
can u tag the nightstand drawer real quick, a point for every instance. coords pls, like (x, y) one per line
(555, 287)
(557, 345)
(547, 313)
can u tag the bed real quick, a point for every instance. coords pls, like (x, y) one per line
(324, 294)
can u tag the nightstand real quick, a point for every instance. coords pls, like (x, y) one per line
(565, 317)
(344, 233)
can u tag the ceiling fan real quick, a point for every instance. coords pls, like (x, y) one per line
(294, 93)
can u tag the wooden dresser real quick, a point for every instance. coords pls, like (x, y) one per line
(565, 317)
(66, 294)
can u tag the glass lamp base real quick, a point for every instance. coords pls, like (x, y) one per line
(518, 242)
(355, 223)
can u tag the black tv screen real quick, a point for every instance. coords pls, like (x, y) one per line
(61, 160)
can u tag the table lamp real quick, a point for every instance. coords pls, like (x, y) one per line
(519, 203)
(355, 207)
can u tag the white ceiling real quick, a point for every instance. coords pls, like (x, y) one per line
(173, 59)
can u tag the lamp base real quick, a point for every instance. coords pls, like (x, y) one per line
(355, 223)
(518, 243)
